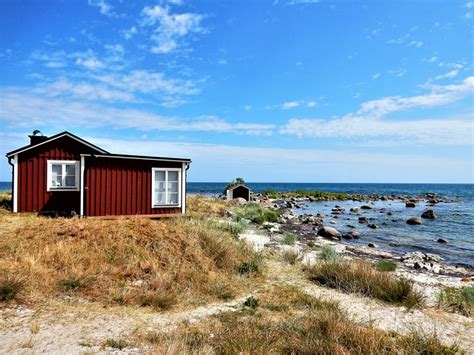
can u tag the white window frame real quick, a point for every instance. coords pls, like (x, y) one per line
(166, 170)
(63, 163)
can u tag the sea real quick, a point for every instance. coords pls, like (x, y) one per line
(454, 222)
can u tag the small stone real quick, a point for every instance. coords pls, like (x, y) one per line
(372, 245)
(366, 207)
(410, 204)
(362, 220)
(354, 234)
(373, 226)
(442, 241)
(355, 209)
(414, 221)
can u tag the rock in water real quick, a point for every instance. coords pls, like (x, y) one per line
(366, 207)
(414, 221)
(410, 204)
(372, 245)
(428, 214)
(355, 209)
(362, 220)
(442, 241)
(355, 235)
(373, 226)
(329, 232)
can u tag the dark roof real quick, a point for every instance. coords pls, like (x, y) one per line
(139, 157)
(239, 185)
(101, 152)
(56, 136)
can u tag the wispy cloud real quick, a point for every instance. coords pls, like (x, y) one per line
(23, 110)
(448, 75)
(104, 7)
(369, 120)
(170, 27)
(292, 104)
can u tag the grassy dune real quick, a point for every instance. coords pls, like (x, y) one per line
(157, 263)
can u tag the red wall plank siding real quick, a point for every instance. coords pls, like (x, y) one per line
(125, 187)
(32, 173)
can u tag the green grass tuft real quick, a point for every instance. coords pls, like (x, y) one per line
(328, 253)
(386, 265)
(10, 287)
(289, 238)
(360, 277)
(459, 300)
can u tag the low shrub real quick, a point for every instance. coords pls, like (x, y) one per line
(253, 265)
(233, 228)
(221, 290)
(10, 287)
(289, 238)
(69, 284)
(328, 253)
(251, 302)
(119, 344)
(459, 300)
(290, 256)
(386, 265)
(360, 277)
(256, 214)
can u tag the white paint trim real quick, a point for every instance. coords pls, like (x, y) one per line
(53, 139)
(136, 158)
(15, 183)
(82, 183)
(183, 188)
(50, 163)
(153, 170)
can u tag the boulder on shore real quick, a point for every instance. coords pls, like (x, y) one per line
(428, 214)
(329, 232)
(414, 221)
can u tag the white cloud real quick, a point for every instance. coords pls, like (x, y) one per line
(127, 34)
(299, 2)
(104, 7)
(290, 104)
(170, 27)
(416, 44)
(37, 109)
(247, 107)
(448, 75)
(369, 121)
(90, 63)
(311, 103)
(375, 76)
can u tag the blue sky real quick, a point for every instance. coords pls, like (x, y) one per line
(284, 90)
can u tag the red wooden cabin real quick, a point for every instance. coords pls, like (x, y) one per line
(66, 175)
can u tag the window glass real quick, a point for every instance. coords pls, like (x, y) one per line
(56, 175)
(166, 187)
(70, 175)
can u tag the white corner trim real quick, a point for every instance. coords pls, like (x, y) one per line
(15, 183)
(183, 188)
(82, 183)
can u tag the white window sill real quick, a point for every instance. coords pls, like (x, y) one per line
(165, 206)
(53, 189)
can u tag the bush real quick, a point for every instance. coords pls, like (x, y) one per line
(256, 214)
(119, 344)
(290, 256)
(233, 228)
(459, 300)
(360, 277)
(10, 287)
(328, 253)
(69, 284)
(289, 238)
(386, 265)
(251, 302)
(222, 290)
(254, 265)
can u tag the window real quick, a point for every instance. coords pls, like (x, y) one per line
(166, 187)
(63, 175)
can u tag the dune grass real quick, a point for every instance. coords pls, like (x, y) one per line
(360, 277)
(197, 204)
(458, 300)
(328, 253)
(386, 265)
(285, 320)
(136, 261)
